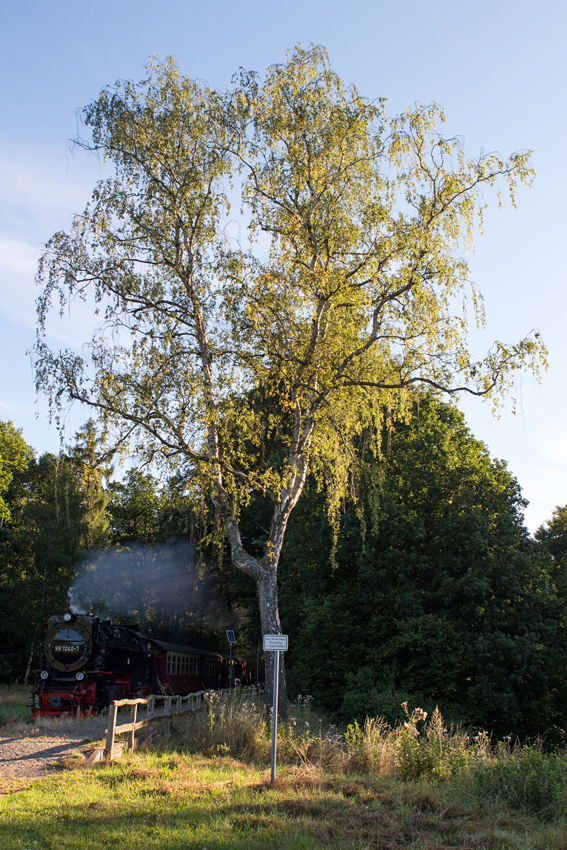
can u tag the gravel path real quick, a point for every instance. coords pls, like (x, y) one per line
(30, 753)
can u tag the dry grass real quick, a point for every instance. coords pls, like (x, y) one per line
(14, 704)
(13, 695)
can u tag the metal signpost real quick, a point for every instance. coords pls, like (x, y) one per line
(231, 639)
(277, 644)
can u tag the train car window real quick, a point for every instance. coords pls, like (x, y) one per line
(169, 664)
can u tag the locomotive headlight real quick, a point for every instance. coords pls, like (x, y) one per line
(67, 617)
(79, 676)
(44, 674)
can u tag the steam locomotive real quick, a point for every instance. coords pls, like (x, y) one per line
(88, 662)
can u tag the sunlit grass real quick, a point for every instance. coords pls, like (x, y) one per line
(175, 801)
(202, 781)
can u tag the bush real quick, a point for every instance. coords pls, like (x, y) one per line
(360, 701)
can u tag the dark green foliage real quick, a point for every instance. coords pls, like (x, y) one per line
(39, 548)
(56, 510)
(89, 463)
(135, 509)
(552, 535)
(438, 594)
(15, 454)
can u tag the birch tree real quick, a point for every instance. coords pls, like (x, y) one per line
(341, 298)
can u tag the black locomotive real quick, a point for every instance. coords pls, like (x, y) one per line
(88, 662)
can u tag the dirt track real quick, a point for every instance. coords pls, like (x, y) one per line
(29, 753)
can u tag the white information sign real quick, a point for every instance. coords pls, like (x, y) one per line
(275, 643)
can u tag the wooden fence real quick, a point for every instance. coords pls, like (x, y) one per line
(169, 705)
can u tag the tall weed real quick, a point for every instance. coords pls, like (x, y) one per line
(370, 747)
(231, 724)
(432, 750)
(412, 749)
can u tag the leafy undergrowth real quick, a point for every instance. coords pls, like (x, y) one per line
(175, 801)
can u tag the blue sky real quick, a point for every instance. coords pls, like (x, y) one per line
(498, 69)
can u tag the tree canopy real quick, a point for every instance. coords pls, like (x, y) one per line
(437, 594)
(15, 454)
(333, 309)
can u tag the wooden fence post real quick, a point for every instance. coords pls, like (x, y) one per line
(111, 731)
(133, 713)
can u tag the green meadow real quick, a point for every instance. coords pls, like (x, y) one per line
(203, 781)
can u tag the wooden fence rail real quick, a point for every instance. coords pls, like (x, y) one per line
(170, 705)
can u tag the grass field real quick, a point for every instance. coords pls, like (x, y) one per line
(14, 703)
(202, 782)
(175, 801)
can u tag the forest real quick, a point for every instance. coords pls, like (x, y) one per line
(427, 588)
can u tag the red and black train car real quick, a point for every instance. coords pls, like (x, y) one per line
(88, 662)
